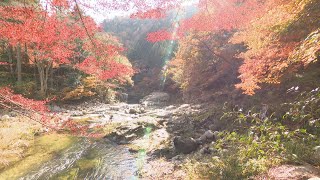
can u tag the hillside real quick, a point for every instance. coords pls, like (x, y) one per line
(175, 89)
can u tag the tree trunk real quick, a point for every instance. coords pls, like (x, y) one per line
(46, 77)
(44, 69)
(26, 57)
(9, 50)
(51, 78)
(19, 64)
(41, 75)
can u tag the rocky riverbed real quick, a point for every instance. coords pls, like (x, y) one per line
(150, 130)
(141, 133)
(149, 140)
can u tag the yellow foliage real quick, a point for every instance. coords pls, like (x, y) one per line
(272, 40)
(89, 84)
(78, 93)
(202, 63)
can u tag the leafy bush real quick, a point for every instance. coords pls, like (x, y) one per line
(304, 111)
(262, 142)
(89, 87)
(26, 88)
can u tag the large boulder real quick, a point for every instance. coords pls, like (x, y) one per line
(130, 131)
(207, 137)
(5, 117)
(155, 99)
(293, 172)
(207, 149)
(317, 151)
(185, 145)
(124, 134)
(55, 108)
(316, 154)
(136, 110)
(122, 97)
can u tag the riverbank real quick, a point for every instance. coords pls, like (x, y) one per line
(157, 140)
(16, 137)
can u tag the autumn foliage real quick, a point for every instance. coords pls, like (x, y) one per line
(154, 13)
(281, 41)
(8, 98)
(204, 65)
(104, 58)
(280, 36)
(214, 16)
(52, 35)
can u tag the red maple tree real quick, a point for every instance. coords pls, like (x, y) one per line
(50, 35)
(215, 16)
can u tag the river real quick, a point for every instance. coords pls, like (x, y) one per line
(63, 156)
(87, 159)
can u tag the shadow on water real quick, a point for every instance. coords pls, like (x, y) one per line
(88, 160)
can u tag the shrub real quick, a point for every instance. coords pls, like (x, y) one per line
(262, 142)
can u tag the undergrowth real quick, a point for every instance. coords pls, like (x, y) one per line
(258, 142)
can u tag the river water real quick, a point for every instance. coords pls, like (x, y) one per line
(87, 159)
(67, 157)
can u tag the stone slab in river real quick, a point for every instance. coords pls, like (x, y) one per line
(155, 98)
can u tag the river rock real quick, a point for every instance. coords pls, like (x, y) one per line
(125, 134)
(184, 106)
(142, 110)
(77, 113)
(206, 137)
(115, 108)
(155, 99)
(170, 108)
(216, 135)
(134, 111)
(293, 172)
(177, 159)
(123, 97)
(317, 150)
(185, 144)
(13, 114)
(208, 149)
(56, 108)
(316, 153)
(5, 117)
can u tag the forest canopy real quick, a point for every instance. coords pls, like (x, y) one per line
(159, 89)
(52, 33)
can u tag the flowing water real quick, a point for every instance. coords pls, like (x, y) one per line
(58, 156)
(87, 160)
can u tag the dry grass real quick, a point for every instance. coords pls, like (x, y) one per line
(16, 135)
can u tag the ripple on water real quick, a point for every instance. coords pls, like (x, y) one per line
(88, 160)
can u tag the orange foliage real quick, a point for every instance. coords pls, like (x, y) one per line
(203, 63)
(272, 40)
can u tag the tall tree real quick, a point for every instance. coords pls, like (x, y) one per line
(19, 63)
(51, 38)
(279, 42)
